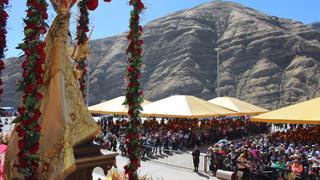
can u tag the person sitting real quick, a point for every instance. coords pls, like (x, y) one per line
(296, 169)
(242, 165)
(279, 166)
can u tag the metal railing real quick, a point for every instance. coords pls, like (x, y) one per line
(177, 158)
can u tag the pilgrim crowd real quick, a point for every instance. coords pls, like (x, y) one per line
(263, 157)
(290, 154)
(179, 134)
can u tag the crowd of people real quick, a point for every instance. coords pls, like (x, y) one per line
(297, 134)
(290, 154)
(259, 157)
(179, 134)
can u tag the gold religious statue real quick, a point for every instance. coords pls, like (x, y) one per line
(65, 120)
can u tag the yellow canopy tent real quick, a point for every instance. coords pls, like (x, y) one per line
(237, 105)
(181, 106)
(113, 106)
(302, 113)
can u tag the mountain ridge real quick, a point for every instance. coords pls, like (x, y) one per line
(265, 60)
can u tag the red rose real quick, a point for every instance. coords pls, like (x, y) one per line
(140, 42)
(139, 76)
(129, 150)
(140, 5)
(34, 148)
(39, 81)
(126, 169)
(31, 2)
(41, 46)
(42, 30)
(25, 74)
(30, 88)
(73, 2)
(41, 7)
(37, 128)
(1, 82)
(92, 4)
(23, 163)
(22, 144)
(36, 114)
(24, 97)
(35, 166)
(21, 110)
(138, 52)
(1, 91)
(82, 85)
(39, 69)
(30, 13)
(21, 155)
(21, 132)
(132, 84)
(38, 96)
(40, 61)
(42, 54)
(4, 14)
(137, 123)
(136, 162)
(26, 122)
(140, 30)
(31, 25)
(131, 136)
(1, 64)
(130, 112)
(28, 51)
(25, 64)
(131, 69)
(45, 15)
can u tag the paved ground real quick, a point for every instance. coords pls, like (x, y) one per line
(165, 172)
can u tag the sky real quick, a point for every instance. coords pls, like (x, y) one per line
(113, 18)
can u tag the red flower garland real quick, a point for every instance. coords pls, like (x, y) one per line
(28, 128)
(3, 42)
(134, 94)
(82, 38)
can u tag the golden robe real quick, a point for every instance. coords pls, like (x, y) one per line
(65, 119)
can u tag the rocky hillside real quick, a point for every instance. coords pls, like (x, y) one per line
(265, 60)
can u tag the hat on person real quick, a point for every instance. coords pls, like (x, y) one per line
(241, 155)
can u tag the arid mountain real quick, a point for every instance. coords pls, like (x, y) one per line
(265, 60)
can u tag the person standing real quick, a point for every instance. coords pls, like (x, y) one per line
(196, 157)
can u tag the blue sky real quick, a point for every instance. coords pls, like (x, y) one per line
(112, 18)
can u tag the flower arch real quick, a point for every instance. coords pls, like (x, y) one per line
(33, 46)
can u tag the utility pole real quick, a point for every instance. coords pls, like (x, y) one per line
(218, 73)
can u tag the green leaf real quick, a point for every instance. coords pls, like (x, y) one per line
(31, 58)
(16, 120)
(34, 157)
(28, 31)
(33, 78)
(21, 56)
(21, 86)
(30, 101)
(22, 46)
